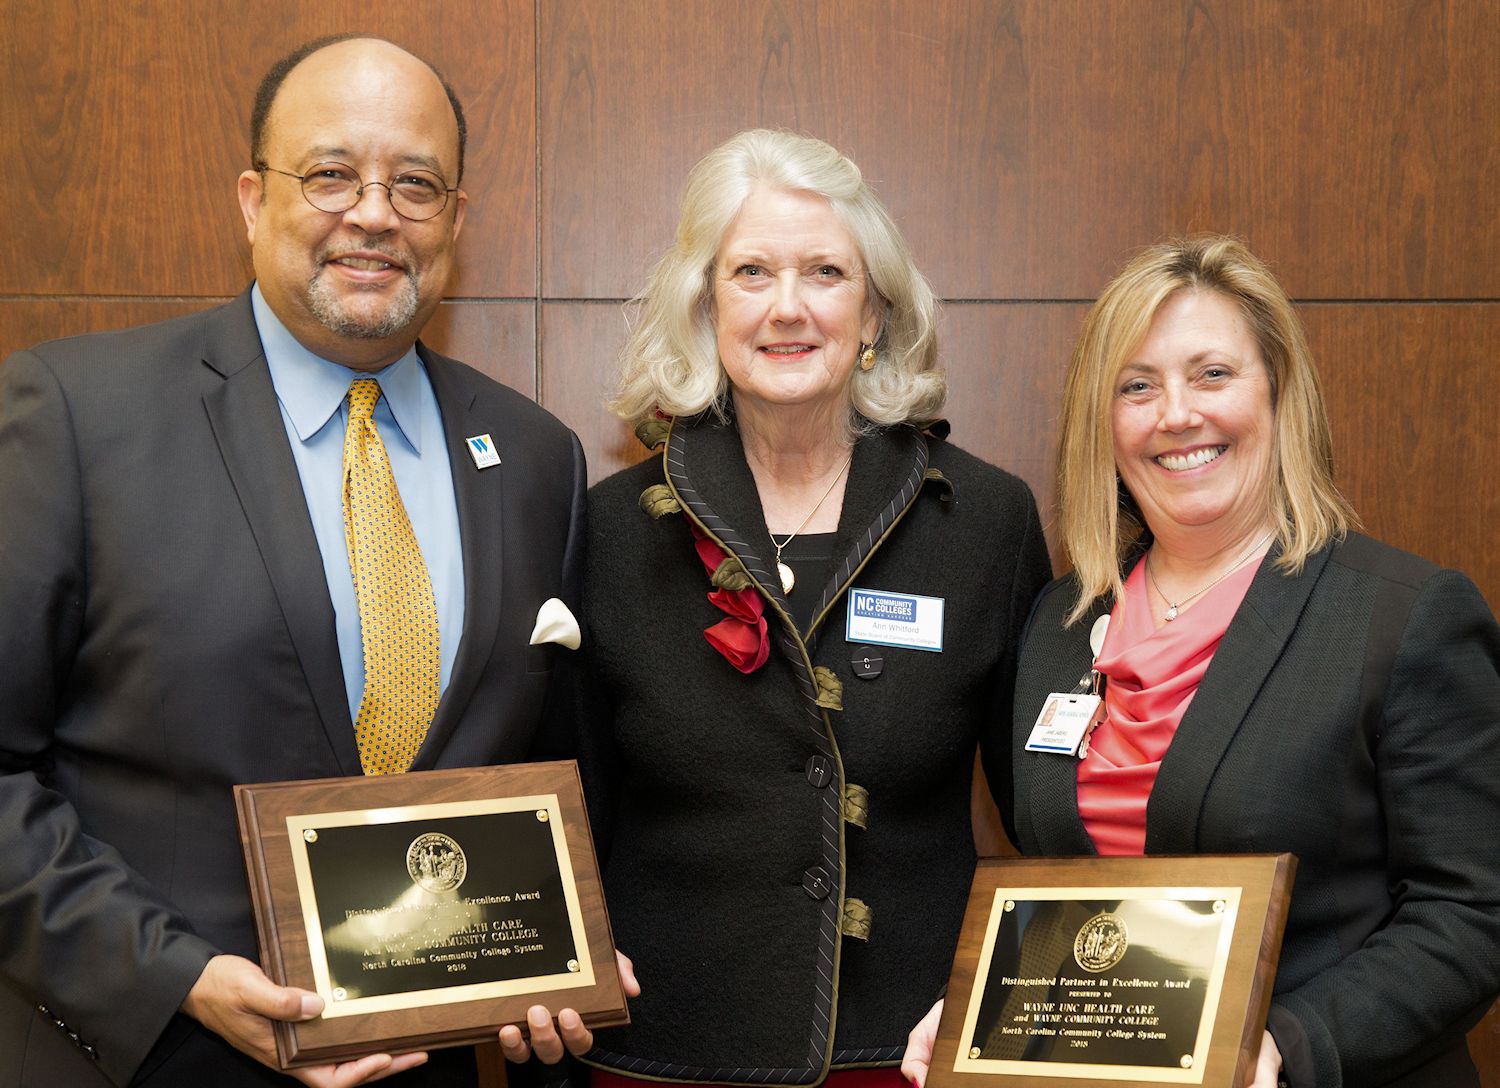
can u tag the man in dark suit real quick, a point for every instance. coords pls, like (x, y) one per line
(177, 610)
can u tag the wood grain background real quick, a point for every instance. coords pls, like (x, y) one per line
(1027, 148)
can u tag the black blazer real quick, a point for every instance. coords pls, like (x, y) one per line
(1351, 716)
(166, 632)
(786, 854)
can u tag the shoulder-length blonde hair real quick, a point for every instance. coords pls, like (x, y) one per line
(1099, 517)
(671, 362)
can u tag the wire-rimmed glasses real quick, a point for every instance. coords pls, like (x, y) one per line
(335, 187)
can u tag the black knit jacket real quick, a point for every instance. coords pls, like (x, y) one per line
(787, 854)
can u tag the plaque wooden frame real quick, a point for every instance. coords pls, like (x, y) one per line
(282, 920)
(1243, 991)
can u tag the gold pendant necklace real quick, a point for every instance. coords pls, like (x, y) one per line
(788, 577)
(1174, 607)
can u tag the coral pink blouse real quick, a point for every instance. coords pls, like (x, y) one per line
(1153, 673)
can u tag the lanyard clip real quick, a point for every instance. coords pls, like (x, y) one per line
(1091, 684)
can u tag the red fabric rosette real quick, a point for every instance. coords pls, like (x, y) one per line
(709, 552)
(742, 636)
(745, 645)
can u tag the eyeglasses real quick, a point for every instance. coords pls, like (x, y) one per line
(334, 187)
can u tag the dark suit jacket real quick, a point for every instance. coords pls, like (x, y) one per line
(166, 632)
(740, 816)
(1351, 716)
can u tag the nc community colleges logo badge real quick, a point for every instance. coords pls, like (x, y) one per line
(885, 606)
(436, 863)
(1101, 943)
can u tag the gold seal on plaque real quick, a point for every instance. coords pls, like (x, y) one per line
(1101, 943)
(436, 863)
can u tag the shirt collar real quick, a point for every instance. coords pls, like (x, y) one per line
(311, 388)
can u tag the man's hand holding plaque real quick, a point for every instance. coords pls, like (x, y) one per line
(234, 999)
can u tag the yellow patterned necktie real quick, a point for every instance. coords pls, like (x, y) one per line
(397, 616)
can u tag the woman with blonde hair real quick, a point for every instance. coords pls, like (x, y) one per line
(801, 618)
(1273, 681)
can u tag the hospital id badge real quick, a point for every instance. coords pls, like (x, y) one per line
(1065, 723)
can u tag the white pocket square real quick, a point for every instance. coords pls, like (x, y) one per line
(554, 623)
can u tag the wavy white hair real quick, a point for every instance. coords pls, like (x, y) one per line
(671, 362)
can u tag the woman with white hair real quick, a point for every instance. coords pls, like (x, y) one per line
(802, 617)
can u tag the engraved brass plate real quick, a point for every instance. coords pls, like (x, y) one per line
(1099, 983)
(432, 904)
(1130, 971)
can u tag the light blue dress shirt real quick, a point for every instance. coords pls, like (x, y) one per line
(312, 393)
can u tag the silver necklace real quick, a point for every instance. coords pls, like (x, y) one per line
(1173, 607)
(788, 579)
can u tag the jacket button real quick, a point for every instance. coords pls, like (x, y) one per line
(819, 771)
(90, 1051)
(866, 662)
(815, 883)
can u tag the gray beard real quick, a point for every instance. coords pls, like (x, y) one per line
(328, 308)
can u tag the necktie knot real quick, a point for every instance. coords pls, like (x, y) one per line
(363, 393)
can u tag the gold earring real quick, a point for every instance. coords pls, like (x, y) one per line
(866, 357)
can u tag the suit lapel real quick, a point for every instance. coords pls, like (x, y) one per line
(707, 462)
(480, 495)
(1047, 788)
(870, 508)
(247, 425)
(1250, 649)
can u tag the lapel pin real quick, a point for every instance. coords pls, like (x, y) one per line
(482, 449)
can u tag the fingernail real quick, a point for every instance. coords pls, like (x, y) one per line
(312, 1004)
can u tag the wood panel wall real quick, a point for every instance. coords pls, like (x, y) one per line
(1027, 148)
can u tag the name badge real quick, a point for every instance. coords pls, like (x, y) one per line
(895, 619)
(1065, 723)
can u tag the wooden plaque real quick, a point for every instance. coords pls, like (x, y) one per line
(1126, 971)
(428, 909)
